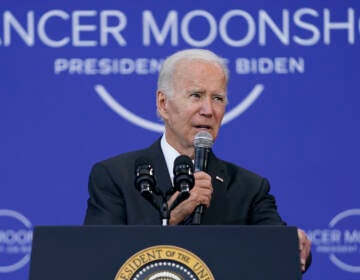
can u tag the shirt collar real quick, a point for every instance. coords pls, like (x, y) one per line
(170, 155)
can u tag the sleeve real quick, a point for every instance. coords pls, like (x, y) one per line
(263, 207)
(105, 205)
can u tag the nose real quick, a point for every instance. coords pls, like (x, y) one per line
(206, 107)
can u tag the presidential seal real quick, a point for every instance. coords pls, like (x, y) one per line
(164, 262)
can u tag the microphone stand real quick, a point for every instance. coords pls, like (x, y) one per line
(164, 213)
(165, 210)
(161, 207)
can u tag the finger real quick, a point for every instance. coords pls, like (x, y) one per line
(302, 262)
(200, 194)
(202, 177)
(172, 198)
(203, 185)
(200, 199)
(304, 248)
(302, 239)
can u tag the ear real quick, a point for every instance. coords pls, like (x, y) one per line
(161, 104)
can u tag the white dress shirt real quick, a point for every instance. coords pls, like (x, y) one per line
(170, 155)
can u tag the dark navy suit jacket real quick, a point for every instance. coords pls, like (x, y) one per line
(240, 197)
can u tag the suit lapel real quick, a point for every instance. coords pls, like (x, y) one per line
(219, 180)
(155, 154)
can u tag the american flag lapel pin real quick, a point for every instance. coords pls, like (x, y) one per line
(219, 179)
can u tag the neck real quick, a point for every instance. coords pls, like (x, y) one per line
(182, 150)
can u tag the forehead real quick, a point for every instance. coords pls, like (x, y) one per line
(195, 64)
(199, 71)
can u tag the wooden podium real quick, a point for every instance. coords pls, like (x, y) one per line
(173, 252)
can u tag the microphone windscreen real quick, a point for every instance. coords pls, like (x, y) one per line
(203, 139)
(143, 167)
(142, 161)
(182, 160)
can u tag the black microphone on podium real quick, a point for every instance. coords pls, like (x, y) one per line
(203, 142)
(145, 183)
(145, 179)
(183, 178)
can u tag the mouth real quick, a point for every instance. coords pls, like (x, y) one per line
(203, 127)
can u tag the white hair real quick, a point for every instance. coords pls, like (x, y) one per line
(165, 80)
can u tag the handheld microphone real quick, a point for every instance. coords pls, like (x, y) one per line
(183, 178)
(203, 142)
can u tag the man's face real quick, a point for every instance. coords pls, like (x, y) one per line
(197, 104)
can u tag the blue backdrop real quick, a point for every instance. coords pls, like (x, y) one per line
(78, 82)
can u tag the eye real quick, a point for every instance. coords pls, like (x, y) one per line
(219, 98)
(196, 95)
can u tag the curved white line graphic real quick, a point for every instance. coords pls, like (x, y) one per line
(15, 266)
(343, 215)
(17, 216)
(144, 123)
(27, 223)
(125, 113)
(344, 266)
(333, 222)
